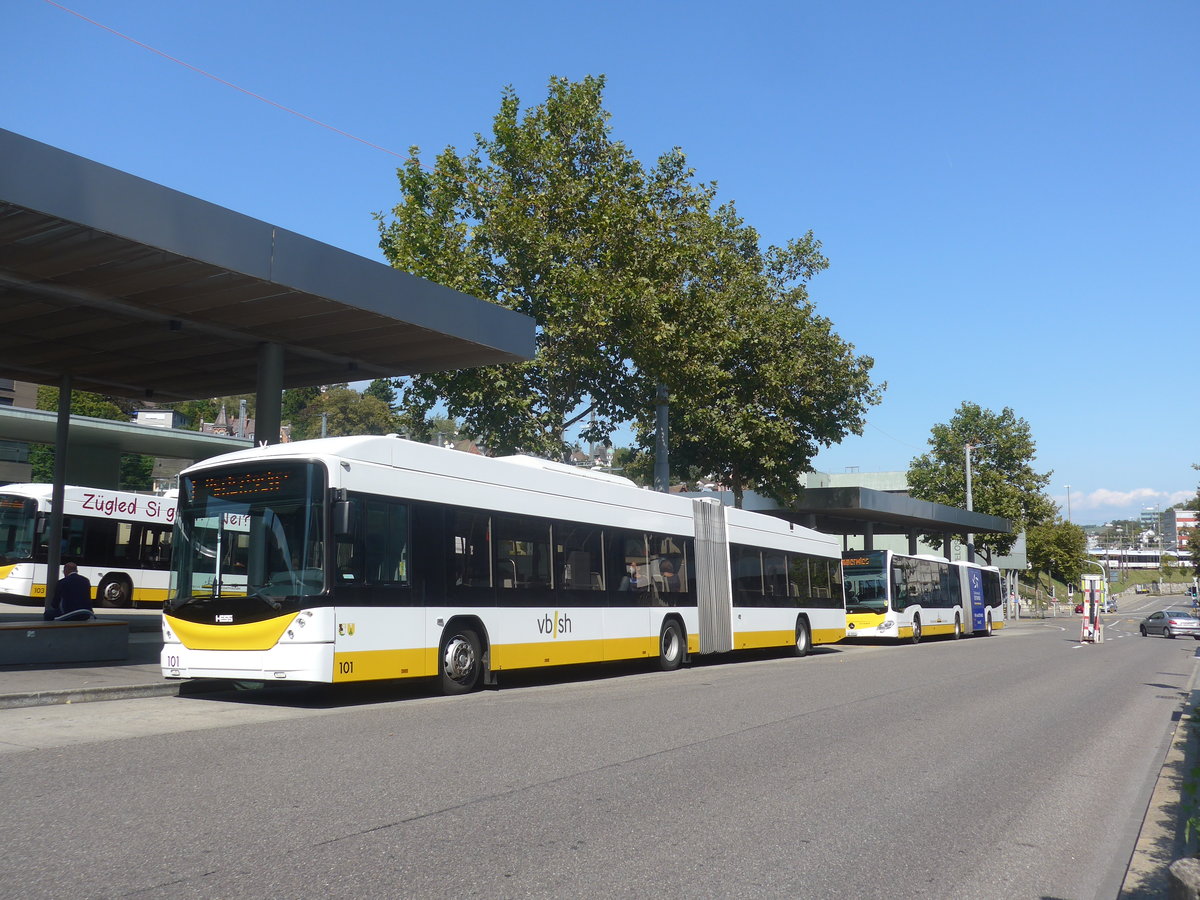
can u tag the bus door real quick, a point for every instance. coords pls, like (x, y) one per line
(977, 608)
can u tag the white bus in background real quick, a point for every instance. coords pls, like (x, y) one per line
(363, 558)
(120, 541)
(891, 595)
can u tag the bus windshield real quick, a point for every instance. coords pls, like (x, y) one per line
(18, 518)
(866, 582)
(250, 535)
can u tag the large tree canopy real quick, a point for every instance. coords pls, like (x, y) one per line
(1003, 480)
(634, 279)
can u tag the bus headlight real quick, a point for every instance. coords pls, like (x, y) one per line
(886, 626)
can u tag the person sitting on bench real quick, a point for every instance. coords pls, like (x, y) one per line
(72, 597)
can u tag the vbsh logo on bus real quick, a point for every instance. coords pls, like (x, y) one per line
(554, 625)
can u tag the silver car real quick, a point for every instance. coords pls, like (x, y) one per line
(1170, 622)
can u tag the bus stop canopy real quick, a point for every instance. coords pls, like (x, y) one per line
(138, 290)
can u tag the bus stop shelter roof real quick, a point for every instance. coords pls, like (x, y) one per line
(138, 290)
(858, 510)
(37, 426)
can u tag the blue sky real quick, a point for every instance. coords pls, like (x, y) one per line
(1007, 191)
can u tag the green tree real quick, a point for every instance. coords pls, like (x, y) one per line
(137, 472)
(348, 412)
(292, 405)
(1004, 482)
(635, 465)
(540, 218)
(383, 389)
(1058, 549)
(633, 280)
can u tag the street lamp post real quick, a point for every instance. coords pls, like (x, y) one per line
(1068, 504)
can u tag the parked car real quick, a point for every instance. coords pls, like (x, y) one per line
(1078, 608)
(1170, 622)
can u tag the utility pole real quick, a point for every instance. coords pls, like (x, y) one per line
(662, 463)
(970, 537)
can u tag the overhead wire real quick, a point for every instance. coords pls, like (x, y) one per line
(220, 80)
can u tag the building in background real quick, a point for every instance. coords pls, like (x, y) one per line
(1177, 524)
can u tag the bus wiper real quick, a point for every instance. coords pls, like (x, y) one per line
(179, 602)
(259, 594)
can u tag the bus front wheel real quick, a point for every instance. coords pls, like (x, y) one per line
(670, 646)
(916, 629)
(957, 628)
(461, 661)
(803, 638)
(115, 593)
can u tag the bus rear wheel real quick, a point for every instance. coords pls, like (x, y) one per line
(670, 646)
(916, 629)
(115, 593)
(460, 662)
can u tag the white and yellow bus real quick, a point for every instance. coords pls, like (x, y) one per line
(891, 595)
(360, 558)
(121, 542)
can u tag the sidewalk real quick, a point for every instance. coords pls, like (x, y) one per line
(137, 676)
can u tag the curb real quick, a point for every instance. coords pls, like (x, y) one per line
(88, 695)
(1148, 873)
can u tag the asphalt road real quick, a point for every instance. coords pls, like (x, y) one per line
(1013, 766)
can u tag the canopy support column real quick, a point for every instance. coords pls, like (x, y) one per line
(268, 409)
(58, 493)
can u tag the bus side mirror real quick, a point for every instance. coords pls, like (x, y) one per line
(345, 520)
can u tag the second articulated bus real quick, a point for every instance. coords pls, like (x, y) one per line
(351, 559)
(121, 542)
(891, 595)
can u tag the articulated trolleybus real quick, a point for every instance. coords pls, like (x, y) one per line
(360, 558)
(121, 541)
(890, 595)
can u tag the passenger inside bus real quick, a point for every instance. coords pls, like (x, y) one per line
(670, 581)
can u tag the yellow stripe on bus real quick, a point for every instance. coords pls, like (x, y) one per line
(753, 640)
(563, 653)
(369, 665)
(250, 636)
(939, 629)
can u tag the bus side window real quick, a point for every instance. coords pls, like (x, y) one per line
(746, 565)
(386, 542)
(472, 549)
